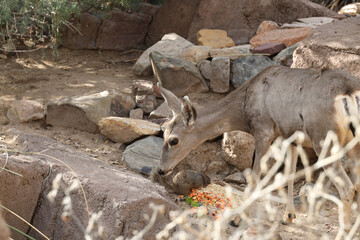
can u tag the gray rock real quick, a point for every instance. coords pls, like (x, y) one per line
(220, 74)
(126, 130)
(231, 52)
(171, 45)
(285, 54)
(85, 112)
(137, 113)
(143, 156)
(237, 177)
(163, 111)
(186, 180)
(205, 69)
(177, 75)
(247, 67)
(25, 111)
(238, 149)
(144, 95)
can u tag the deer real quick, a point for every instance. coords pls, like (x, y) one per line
(275, 103)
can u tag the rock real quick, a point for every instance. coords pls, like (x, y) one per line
(195, 54)
(331, 46)
(148, 9)
(121, 195)
(171, 45)
(143, 156)
(287, 36)
(163, 111)
(269, 48)
(25, 111)
(144, 95)
(260, 231)
(85, 112)
(122, 31)
(21, 193)
(137, 113)
(207, 158)
(186, 180)
(126, 130)
(352, 9)
(237, 178)
(247, 67)
(205, 69)
(312, 22)
(214, 38)
(238, 149)
(2, 56)
(88, 26)
(240, 23)
(285, 54)
(231, 52)
(220, 75)
(177, 75)
(267, 26)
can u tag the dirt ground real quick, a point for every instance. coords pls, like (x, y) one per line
(41, 76)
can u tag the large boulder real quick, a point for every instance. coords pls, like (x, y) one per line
(176, 74)
(171, 45)
(239, 18)
(85, 112)
(121, 195)
(331, 46)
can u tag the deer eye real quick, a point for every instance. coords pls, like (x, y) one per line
(173, 141)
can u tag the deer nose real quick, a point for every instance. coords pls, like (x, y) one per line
(161, 172)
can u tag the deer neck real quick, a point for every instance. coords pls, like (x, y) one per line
(226, 115)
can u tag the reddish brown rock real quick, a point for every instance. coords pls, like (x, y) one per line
(239, 18)
(88, 26)
(269, 48)
(287, 36)
(123, 31)
(267, 26)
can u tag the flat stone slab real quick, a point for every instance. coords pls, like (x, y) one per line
(215, 38)
(126, 130)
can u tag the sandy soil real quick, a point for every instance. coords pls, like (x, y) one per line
(43, 77)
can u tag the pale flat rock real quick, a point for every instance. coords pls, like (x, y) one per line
(144, 155)
(171, 44)
(352, 9)
(126, 130)
(195, 54)
(25, 111)
(231, 52)
(312, 22)
(215, 38)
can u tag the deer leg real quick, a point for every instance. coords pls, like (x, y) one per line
(263, 140)
(289, 215)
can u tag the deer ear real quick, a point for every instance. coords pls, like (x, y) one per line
(188, 111)
(171, 99)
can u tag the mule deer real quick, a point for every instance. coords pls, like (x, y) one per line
(277, 102)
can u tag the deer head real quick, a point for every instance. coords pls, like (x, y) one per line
(180, 135)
